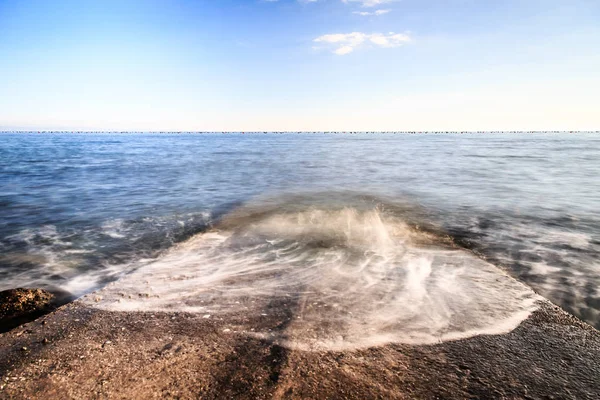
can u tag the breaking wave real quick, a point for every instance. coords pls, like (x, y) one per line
(321, 274)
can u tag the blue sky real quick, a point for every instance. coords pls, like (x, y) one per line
(300, 65)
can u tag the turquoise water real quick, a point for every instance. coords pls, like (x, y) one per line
(80, 210)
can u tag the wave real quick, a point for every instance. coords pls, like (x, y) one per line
(77, 260)
(330, 272)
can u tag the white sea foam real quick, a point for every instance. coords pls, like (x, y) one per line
(113, 228)
(338, 279)
(47, 249)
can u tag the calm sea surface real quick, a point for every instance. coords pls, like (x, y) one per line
(80, 210)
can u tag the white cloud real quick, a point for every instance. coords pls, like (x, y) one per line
(353, 39)
(344, 50)
(347, 42)
(368, 3)
(367, 13)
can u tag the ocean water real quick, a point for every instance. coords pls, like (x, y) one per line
(396, 230)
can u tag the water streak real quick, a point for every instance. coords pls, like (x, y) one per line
(348, 277)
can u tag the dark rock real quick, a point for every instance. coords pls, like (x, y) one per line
(18, 306)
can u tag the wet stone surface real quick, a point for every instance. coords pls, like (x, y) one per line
(83, 352)
(20, 305)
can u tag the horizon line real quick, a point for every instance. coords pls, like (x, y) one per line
(36, 131)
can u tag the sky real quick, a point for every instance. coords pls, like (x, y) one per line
(299, 65)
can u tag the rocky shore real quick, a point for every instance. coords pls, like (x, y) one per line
(21, 305)
(80, 351)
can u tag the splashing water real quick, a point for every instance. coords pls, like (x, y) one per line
(337, 277)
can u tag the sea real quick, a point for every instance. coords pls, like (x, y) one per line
(363, 216)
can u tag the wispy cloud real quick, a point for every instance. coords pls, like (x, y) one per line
(344, 50)
(345, 43)
(367, 13)
(368, 3)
